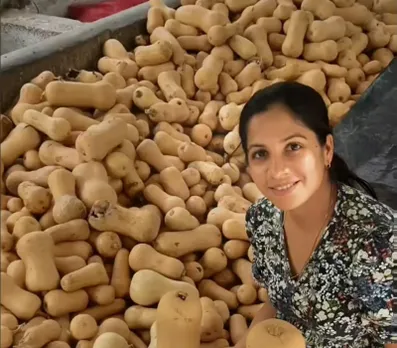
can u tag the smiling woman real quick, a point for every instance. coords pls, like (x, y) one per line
(277, 141)
(322, 242)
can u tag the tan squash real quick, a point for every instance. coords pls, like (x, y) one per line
(144, 256)
(274, 333)
(36, 249)
(105, 216)
(177, 244)
(179, 315)
(148, 287)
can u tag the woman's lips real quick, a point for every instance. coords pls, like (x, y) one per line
(285, 189)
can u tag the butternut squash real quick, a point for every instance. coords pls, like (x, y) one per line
(90, 275)
(179, 315)
(21, 139)
(148, 287)
(178, 243)
(67, 206)
(58, 302)
(214, 291)
(145, 222)
(98, 140)
(38, 336)
(158, 53)
(121, 274)
(36, 199)
(143, 256)
(139, 317)
(211, 321)
(36, 250)
(79, 94)
(23, 304)
(276, 333)
(92, 183)
(163, 200)
(200, 17)
(213, 261)
(180, 219)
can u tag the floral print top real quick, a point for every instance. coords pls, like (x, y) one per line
(344, 296)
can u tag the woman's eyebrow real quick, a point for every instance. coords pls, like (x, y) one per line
(255, 145)
(295, 135)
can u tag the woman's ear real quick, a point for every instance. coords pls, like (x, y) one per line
(329, 149)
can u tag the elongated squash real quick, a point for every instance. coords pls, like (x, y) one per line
(178, 323)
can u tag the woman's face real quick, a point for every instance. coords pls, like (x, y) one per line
(285, 159)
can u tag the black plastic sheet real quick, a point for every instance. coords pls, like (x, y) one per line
(367, 137)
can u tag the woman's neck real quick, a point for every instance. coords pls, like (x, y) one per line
(315, 210)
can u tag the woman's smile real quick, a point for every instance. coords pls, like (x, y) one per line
(284, 189)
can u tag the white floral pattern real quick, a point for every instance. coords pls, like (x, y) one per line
(344, 297)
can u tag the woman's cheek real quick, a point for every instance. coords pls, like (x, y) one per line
(258, 173)
(308, 165)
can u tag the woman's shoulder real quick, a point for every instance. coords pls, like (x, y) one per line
(359, 208)
(263, 212)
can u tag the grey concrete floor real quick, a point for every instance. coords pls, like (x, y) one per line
(37, 21)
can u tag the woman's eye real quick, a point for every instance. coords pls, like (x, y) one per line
(294, 147)
(259, 154)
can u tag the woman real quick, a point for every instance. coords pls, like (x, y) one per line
(322, 247)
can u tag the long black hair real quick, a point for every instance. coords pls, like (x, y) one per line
(307, 106)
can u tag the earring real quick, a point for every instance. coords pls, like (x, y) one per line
(328, 165)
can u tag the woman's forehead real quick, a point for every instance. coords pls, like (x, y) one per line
(275, 124)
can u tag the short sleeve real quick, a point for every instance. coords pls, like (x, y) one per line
(373, 280)
(250, 222)
(259, 271)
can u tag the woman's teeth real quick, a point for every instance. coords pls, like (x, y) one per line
(284, 187)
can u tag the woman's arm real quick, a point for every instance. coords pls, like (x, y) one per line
(391, 345)
(267, 311)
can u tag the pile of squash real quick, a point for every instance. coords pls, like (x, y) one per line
(123, 189)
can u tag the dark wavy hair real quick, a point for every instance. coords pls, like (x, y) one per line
(307, 106)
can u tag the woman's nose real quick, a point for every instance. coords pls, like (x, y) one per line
(277, 168)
